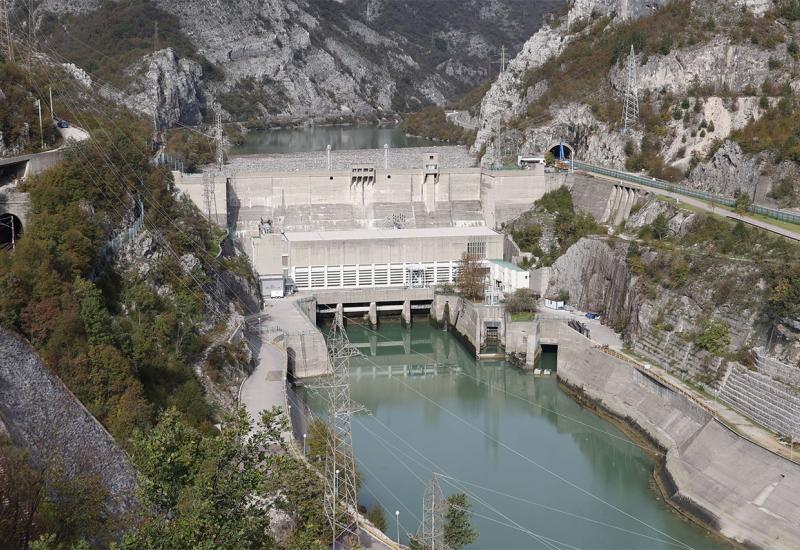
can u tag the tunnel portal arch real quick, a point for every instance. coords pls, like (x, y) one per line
(556, 149)
(10, 230)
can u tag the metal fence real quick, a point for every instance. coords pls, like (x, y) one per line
(114, 245)
(673, 188)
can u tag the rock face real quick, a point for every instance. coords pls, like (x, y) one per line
(170, 83)
(721, 62)
(317, 58)
(42, 415)
(728, 171)
(506, 100)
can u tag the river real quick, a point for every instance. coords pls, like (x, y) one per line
(541, 471)
(361, 136)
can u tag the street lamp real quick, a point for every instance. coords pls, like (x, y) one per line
(335, 498)
(304, 445)
(397, 515)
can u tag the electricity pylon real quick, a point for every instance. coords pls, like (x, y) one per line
(341, 482)
(6, 41)
(631, 94)
(220, 138)
(431, 530)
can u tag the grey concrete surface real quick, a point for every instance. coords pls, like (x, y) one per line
(450, 156)
(749, 493)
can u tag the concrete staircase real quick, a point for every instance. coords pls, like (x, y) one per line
(766, 401)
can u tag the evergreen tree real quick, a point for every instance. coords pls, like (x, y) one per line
(458, 529)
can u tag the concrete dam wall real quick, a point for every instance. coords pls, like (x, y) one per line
(748, 493)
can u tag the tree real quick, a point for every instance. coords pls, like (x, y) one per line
(458, 529)
(522, 301)
(743, 202)
(471, 276)
(549, 159)
(376, 517)
(201, 489)
(660, 227)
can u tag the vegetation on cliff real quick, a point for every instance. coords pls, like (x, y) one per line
(106, 41)
(19, 117)
(554, 213)
(431, 122)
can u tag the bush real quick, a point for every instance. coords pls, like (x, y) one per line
(713, 335)
(522, 301)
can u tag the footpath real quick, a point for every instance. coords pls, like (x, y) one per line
(266, 387)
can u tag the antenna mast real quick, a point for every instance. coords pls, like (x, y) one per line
(631, 95)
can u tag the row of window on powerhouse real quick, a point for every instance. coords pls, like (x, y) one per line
(369, 275)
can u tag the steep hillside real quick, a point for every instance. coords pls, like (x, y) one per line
(716, 84)
(294, 58)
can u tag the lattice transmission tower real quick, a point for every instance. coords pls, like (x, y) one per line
(431, 531)
(341, 485)
(631, 94)
(6, 41)
(220, 139)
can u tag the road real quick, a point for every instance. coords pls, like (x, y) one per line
(705, 206)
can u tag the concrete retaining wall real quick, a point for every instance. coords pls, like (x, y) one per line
(749, 494)
(42, 415)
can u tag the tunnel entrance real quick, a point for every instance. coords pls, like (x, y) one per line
(548, 360)
(561, 151)
(10, 230)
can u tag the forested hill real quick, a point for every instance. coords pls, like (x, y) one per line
(138, 333)
(287, 58)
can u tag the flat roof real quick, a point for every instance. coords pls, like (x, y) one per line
(509, 265)
(374, 234)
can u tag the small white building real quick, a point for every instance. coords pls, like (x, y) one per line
(507, 277)
(554, 303)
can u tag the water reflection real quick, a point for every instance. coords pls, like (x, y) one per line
(291, 140)
(517, 438)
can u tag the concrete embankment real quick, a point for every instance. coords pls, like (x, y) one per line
(740, 489)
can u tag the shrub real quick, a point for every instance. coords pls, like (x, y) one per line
(713, 335)
(522, 301)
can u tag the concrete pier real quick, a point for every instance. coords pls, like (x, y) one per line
(405, 315)
(373, 314)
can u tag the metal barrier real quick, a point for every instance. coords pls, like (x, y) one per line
(115, 244)
(674, 188)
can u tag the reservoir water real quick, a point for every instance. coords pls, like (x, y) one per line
(317, 138)
(540, 471)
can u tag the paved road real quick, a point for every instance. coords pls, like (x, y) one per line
(703, 205)
(264, 388)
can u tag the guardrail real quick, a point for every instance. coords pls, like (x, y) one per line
(674, 188)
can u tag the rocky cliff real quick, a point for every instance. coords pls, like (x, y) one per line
(314, 58)
(706, 71)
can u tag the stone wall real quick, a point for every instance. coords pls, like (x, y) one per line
(42, 415)
(746, 492)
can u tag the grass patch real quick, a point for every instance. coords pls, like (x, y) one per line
(522, 316)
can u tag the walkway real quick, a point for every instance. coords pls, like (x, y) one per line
(265, 387)
(705, 206)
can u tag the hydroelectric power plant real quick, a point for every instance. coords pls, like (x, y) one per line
(487, 402)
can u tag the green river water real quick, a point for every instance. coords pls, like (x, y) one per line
(360, 136)
(541, 471)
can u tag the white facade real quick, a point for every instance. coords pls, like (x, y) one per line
(383, 258)
(507, 277)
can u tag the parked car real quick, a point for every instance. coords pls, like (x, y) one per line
(63, 124)
(592, 315)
